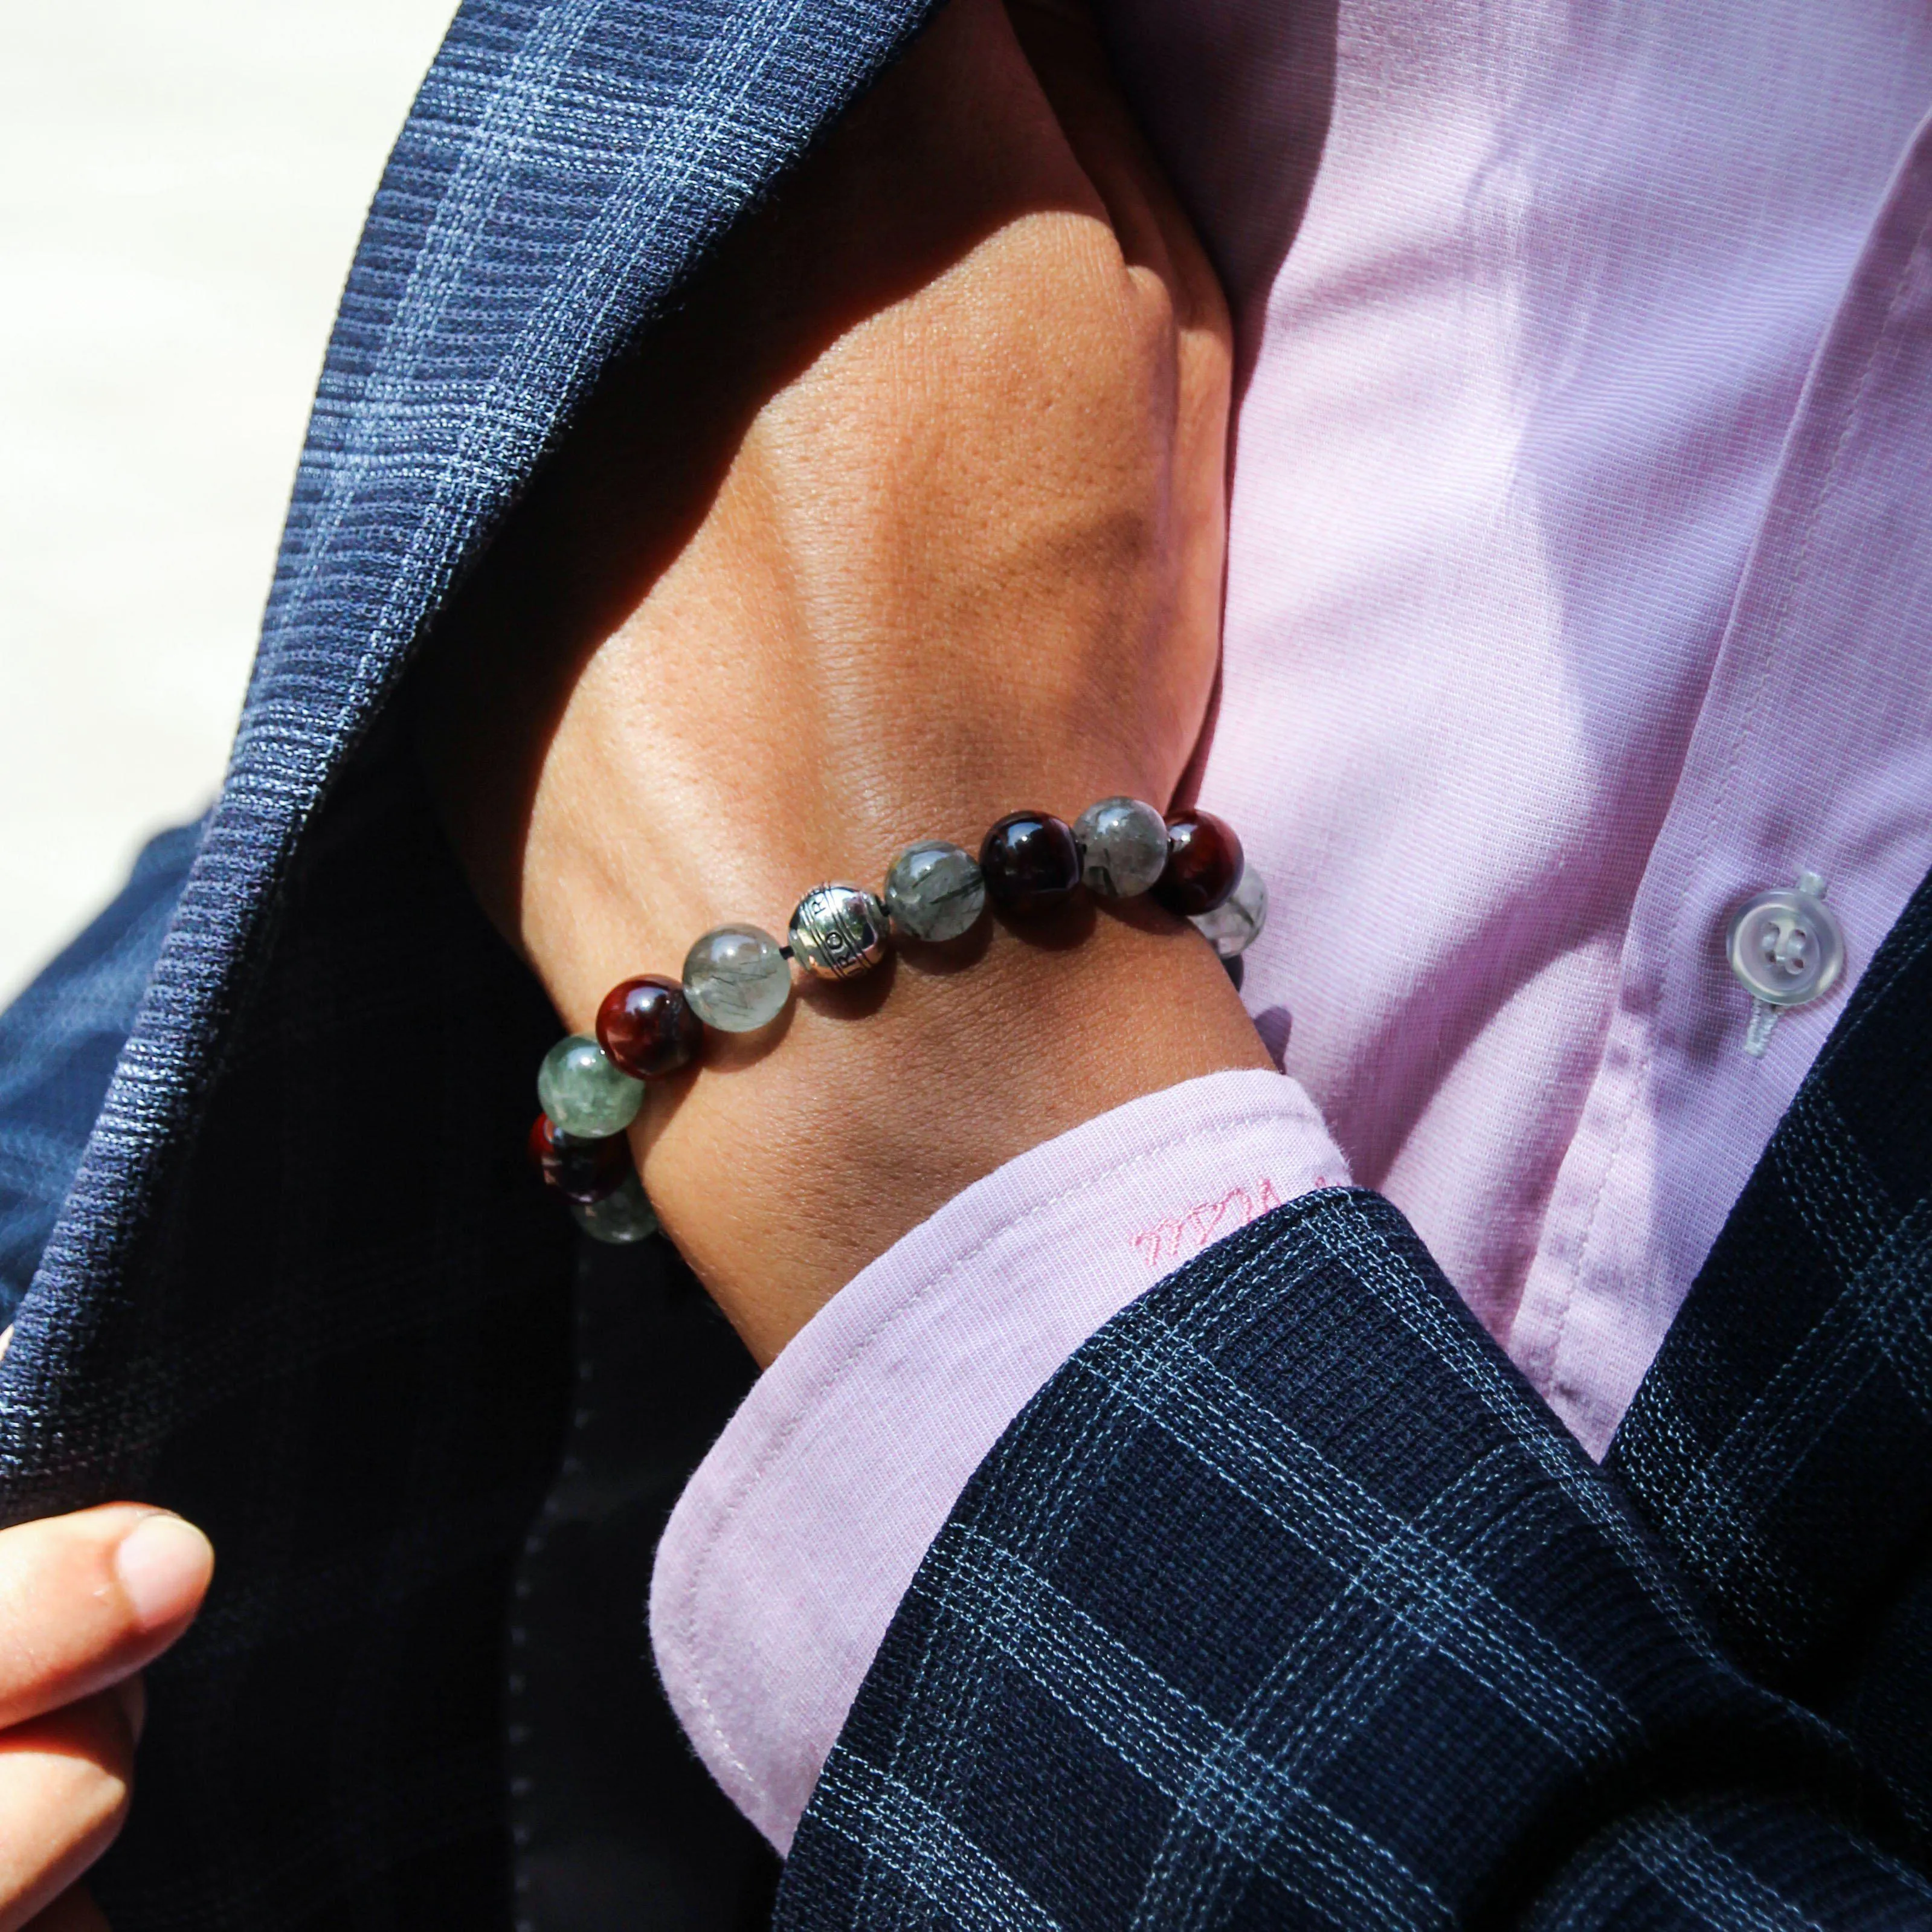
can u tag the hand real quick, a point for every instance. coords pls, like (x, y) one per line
(914, 516)
(85, 1601)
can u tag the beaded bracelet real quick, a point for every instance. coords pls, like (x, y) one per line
(738, 978)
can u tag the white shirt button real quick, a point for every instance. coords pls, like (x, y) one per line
(1786, 947)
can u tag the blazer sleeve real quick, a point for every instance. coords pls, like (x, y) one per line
(1287, 1602)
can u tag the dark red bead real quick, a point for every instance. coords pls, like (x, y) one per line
(580, 1170)
(1204, 863)
(647, 1027)
(1031, 862)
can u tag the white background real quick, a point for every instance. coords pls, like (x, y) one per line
(181, 183)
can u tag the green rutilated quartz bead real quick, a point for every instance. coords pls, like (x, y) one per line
(934, 891)
(584, 1092)
(625, 1215)
(1236, 923)
(1123, 847)
(737, 979)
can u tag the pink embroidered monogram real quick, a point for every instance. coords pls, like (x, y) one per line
(1171, 1240)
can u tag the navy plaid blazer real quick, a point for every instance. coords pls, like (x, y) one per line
(1285, 1603)
(1288, 1602)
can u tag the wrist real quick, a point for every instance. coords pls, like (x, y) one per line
(791, 1158)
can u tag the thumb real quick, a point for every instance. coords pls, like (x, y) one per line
(88, 1599)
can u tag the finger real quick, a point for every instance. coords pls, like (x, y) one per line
(88, 1599)
(73, 1911)
(64, 1781)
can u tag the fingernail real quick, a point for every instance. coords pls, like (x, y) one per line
(164, 1564)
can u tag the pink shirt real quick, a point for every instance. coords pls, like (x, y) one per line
(1573, 596)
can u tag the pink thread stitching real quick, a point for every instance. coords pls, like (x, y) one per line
(1194, 1227)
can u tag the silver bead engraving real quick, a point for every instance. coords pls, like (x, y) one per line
(839, 931)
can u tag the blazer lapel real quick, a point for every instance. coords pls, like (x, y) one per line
(565, 165)
(302, 1289)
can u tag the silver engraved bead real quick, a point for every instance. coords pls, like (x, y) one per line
(839, 931)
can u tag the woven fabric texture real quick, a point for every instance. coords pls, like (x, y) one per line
(300, 1287)
(1782, 1442)
(1287, 1602)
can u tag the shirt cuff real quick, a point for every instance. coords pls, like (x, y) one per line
(791, 1546)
